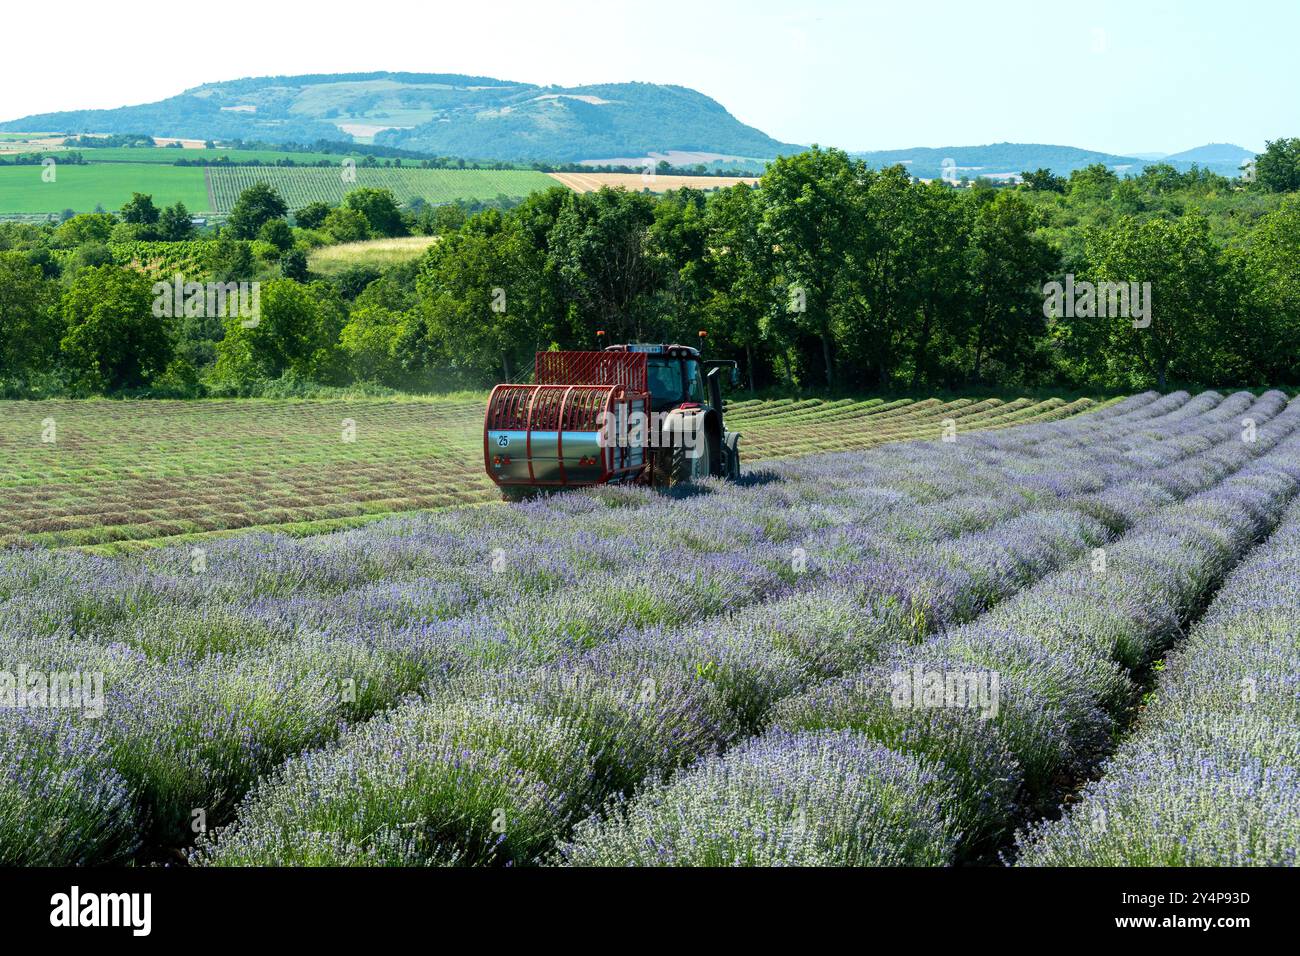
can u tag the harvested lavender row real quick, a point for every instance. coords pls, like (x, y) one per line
(1211, 774)
(718, 681)
(1004, 709)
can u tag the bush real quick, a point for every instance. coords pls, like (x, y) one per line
(346, 225)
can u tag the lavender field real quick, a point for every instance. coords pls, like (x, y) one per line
(917, 654)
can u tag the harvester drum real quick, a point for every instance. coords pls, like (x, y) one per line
(553, 433)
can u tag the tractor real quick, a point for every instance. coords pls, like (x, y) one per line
(625, 414)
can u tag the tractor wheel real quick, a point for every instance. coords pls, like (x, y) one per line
(515, 493)
(731, 455)
(683, 468)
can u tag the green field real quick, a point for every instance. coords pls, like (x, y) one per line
(81, 188)
(300, 186)
(110, 184)
(122, 474)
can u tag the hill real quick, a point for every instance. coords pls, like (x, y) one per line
(447, 114)
(1001, 159)
(1214, 154)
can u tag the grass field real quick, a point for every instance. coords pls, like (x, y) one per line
(708, 678)
(145, 471)
(82, 188)
(301, 186)
(214, 190)
(635, 182)
(113, 174)
(377, 253)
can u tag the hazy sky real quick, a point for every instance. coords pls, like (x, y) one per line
(1115, 75)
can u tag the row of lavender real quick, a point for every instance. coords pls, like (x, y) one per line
(498, 767)
(1212, 774)
(218, 671)
(852, 774)
(152, 745)
(215, 677)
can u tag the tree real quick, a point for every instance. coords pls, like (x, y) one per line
(809, 220)
(346, 225)
(1092, 184)
(598, 249)
(175, 224)
(940, 287)
(741, 273)
(256, 205)
(379, 208)
(370, 339)
(1186, 333)
(1269, 270)
(1043, 180)
(113, 339)
(140, 210)
(230, 260)
(31, 323)
(312, 215)
(448, 218)
(678, 243)
(482, 307)
(1277, 169)
(1009, 266)
(88, 256)
(277, 233)
(293, 265)
(295, 333)
(88, 227)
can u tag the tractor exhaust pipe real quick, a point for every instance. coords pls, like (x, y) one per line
(715, 392)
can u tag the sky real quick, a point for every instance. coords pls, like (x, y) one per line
(1120, 77)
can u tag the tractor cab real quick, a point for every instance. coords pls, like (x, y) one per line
(673, 374)
(676, 375)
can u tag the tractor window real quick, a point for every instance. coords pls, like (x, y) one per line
(694, 384)
(665, 378)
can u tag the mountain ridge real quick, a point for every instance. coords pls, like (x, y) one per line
(475, 117)
(996, 160)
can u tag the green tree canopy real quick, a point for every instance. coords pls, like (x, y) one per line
(140, 210)
(1277, 169)
(31, 322)
(379, 208)
(113, 340)
(256, 205)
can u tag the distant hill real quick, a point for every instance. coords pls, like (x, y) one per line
(1001, 159)
(1214, 154)
(474, 117)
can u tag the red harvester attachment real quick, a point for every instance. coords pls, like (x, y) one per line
(550, 434)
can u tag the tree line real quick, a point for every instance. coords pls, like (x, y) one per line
(830, 275)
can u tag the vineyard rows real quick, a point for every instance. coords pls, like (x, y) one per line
(300, 186)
